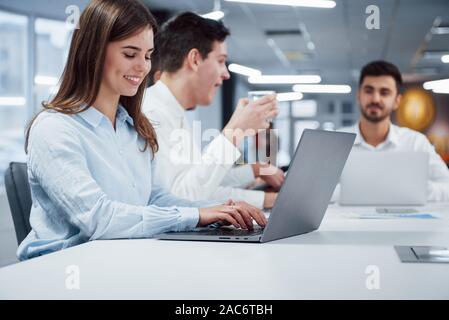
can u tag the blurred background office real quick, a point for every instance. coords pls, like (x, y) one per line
(329, 44)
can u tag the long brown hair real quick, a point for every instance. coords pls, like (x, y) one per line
(102, 21)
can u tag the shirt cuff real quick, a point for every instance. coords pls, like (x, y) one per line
(240, 176)
(245, 174)
(221, 151)
(189, 218)
(253, 197)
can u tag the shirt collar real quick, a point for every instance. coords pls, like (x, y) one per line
(94, 117)
(123, 115)
(392, 137)
(173, 107)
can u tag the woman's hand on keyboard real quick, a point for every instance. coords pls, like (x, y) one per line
(239, 214)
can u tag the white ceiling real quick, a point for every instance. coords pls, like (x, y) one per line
(342, 42)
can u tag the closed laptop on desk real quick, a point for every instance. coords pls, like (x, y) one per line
(304, 197)
(385, 178)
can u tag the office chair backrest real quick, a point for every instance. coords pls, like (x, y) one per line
(19, 198)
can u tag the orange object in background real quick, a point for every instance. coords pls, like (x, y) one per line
(416, 110)
(441, 144)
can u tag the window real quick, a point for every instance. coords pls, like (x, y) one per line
(13, 90)
(282, 125)
(52, 44)
(284, 110)
(347, 122)
(304, 108)
(346, 107)
(300, 126)
(283, 128)
(331, 107)
(21, 91)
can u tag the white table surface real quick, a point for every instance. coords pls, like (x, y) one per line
(330, 263)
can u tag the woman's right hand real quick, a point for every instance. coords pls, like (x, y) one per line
(239, 214)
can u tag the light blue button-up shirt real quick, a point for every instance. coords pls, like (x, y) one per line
(89, 181)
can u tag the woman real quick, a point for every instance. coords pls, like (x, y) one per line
(90, 151)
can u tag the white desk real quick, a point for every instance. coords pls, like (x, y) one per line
(327, 264)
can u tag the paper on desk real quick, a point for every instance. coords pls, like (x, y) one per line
(375, 215)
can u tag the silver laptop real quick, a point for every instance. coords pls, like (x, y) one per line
(303, 199)
(385, 178)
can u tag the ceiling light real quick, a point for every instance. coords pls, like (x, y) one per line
(246, 71)
(445, 58)
(289, 96)
(441, 90)
(284, 79)
(434, 54)
(322, 88)
(293, 3)
(214, 15)
(440, 30)
(436, 84)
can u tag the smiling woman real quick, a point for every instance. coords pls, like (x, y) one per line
(126, 67)
(110, 24)
(90, 170)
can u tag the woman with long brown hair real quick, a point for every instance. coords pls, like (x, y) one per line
(90, 151)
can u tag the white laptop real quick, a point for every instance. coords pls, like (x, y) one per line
(385, 178)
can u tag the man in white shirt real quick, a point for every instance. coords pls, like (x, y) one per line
(192, 55)
(378, 96)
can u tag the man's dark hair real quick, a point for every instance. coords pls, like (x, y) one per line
(381, 68)
(155, 65)
(183, 33)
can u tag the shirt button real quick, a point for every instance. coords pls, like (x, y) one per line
(120, 151)
(134, 185)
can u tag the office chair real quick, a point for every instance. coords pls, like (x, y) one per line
(19, 198)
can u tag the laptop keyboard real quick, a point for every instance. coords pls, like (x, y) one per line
(230, 232)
